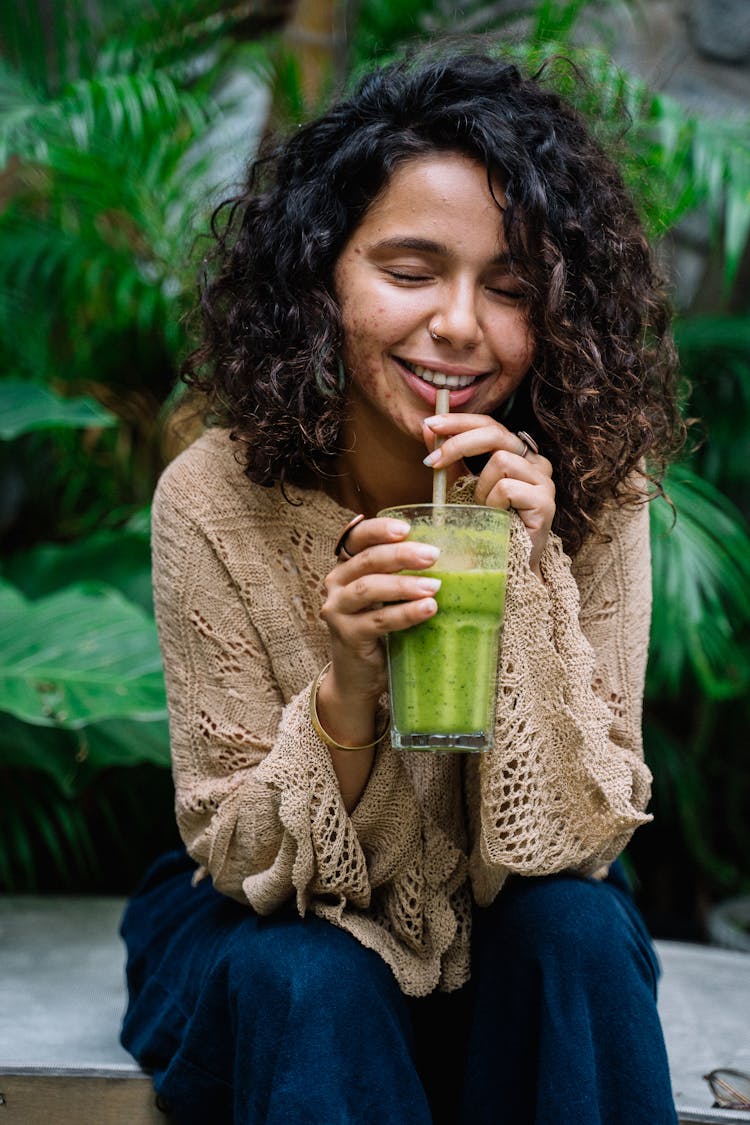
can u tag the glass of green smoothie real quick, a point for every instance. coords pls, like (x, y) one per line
(443, 672)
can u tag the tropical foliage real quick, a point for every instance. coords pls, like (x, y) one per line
(117, 132)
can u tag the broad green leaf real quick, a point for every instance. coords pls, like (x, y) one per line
(122, 742)
(45, 749)
(120, 559)
(25, 407)
(72, 758)
(79, 656)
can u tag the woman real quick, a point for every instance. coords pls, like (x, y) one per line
(372, 936)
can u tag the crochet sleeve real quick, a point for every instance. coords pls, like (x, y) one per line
(566, 785)
(257, 799)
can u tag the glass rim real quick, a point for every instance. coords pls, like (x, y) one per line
(386, 512)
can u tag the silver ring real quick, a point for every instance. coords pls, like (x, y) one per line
(528, 443)
(435, 335)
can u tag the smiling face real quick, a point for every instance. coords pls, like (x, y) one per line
(427, 300)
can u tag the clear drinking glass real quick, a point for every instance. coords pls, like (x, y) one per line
(443, 672)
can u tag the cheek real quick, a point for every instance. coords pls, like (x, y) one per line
(514, 342)
(374, 311)
(372, 326)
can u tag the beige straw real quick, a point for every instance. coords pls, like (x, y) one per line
(440, 479)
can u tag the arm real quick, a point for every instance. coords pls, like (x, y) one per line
(258, 800)
(566, 785)
(227, 717)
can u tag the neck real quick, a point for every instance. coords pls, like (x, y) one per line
(369, 476)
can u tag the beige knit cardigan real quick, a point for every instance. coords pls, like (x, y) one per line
(238, 573)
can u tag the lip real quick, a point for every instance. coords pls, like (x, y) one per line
(428, 392)
(444, 368)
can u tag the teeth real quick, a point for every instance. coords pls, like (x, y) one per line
(438, 378)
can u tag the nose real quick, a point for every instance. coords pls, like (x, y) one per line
(456, 320)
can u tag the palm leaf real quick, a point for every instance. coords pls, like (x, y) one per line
(556, 20)
(701, 568)
(381, 27)
(715, 358)
(48, 41)
(97, 236)
(26, 119)
(39, 829)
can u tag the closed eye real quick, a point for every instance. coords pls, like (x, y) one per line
(511, 294)
(399, 276)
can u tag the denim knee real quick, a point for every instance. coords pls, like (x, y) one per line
(571, 920)
(302, 964)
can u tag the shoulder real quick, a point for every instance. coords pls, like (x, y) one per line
(205, 478)
(205, 490)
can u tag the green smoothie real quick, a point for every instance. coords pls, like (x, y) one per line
(443, 672)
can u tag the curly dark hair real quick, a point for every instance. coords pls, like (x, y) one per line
(600, 396)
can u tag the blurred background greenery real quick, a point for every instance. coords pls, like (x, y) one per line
(121, 125)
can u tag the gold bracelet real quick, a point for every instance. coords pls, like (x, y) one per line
(326, 738)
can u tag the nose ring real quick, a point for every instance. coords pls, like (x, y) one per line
(435, 335)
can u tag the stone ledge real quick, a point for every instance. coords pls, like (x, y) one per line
(62, 994)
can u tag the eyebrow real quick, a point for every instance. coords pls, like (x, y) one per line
(427, 246)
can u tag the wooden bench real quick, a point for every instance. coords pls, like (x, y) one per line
(62, 996)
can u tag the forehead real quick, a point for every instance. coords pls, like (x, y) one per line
(441, 193)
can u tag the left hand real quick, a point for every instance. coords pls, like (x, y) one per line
(508, 480)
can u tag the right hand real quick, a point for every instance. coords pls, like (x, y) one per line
(366, 598)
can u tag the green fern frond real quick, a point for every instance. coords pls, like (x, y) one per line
(701, 577)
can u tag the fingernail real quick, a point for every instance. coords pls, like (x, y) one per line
(428, 606)
(398, 527)
(434, 420)
(432, 458)
(429, 585)
(428, 553)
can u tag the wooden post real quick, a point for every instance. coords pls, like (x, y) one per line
(317, 34)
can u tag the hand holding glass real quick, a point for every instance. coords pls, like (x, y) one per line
(443, 672)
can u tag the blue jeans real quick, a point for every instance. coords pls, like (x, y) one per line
(290, 1021)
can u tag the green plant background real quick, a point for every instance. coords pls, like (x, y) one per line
(117, 134)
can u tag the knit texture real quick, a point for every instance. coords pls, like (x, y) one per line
(238, 587)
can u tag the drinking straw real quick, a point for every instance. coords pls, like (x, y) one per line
(440, 479)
